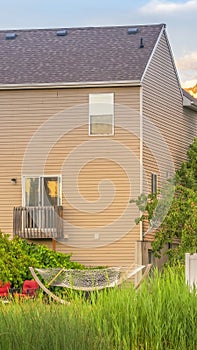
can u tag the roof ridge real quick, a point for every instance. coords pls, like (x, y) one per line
(80, 28)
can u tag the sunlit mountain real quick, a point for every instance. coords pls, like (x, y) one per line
(192, 91)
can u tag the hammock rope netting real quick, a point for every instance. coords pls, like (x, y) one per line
(89, 279)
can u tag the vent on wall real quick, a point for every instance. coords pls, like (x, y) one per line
(10, 36)
(132, 31)
(61, 32)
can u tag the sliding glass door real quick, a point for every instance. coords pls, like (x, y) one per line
(40, 195)
(42, 191)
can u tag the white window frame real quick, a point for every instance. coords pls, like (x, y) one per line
(90, 115)
(40, 177)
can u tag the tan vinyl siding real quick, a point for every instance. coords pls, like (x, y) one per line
(162, 105)
(120, 253)
(173, 126)
(106, 168)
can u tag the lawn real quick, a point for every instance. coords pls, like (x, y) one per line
(161, 315)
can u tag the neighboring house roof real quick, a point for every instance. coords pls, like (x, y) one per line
(93, 54)
(189, 101)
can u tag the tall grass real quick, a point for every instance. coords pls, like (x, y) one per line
(161, 315)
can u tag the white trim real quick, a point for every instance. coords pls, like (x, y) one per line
(141, 139)
(163, 31)
(153, 52)
(141, 153)
(70, 85)
(99, 135)
(23, 190)
(173, 62)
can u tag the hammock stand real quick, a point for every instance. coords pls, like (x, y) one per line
(85, 280)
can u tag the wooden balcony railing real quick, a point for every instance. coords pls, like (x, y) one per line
(38, 222)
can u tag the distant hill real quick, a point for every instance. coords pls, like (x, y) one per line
(192, 91)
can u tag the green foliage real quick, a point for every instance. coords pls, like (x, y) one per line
(147, 205)
(187, 175)
(160, 316)
(17, 255)
(180, 223)
(172, 213)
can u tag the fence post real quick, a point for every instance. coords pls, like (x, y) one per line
(191, 270)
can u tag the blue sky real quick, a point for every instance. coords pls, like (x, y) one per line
(179, 16)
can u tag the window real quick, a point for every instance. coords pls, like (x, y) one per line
(153, 183)
(42, 191)
(101, 114)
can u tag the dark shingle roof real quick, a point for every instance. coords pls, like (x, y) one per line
(83, 55)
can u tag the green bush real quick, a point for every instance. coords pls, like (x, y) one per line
(17, 255)
(172, 212)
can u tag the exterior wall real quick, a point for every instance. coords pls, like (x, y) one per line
(168, 128)
(45, 132)
(166, 124)
(148, 256)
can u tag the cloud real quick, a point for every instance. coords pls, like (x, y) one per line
(189, 83)
(188, 61)
(167, 7)
(187, 67)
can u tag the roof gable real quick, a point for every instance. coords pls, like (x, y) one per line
(82, 55)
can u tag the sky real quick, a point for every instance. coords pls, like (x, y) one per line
(178, 15)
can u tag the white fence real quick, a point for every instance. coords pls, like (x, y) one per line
(191, 269)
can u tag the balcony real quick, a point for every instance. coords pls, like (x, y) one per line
(38, 222)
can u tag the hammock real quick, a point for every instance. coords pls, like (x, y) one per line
(83, 280)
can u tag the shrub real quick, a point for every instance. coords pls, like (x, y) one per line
(17, 255)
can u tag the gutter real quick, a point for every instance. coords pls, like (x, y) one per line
(70, 85)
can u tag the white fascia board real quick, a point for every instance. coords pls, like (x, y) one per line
(163, 30)
(153, 52)
(69, 85)
(173, 62)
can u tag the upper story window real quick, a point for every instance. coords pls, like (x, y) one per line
(101, 114)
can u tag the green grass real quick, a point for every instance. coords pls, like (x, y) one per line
(162, 314)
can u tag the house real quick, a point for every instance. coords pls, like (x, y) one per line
(90, 118)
